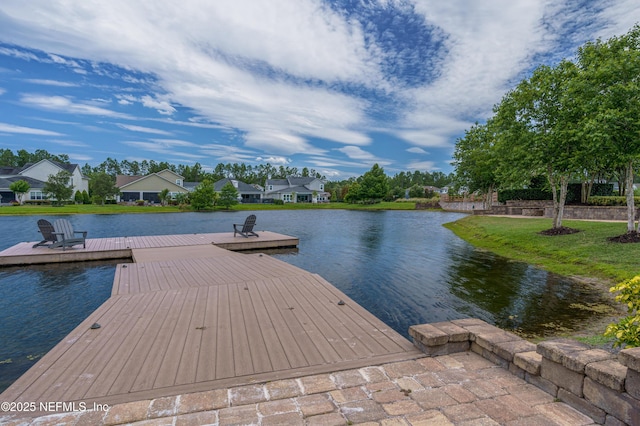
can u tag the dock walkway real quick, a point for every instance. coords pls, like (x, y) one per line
(196, 317)
(121, 247)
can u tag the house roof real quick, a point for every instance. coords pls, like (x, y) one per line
(292, 181)
(6, 181)
(9, 171)
(138, 179)
(64, 166)
(166, 171)
(300, 181)
(242, 187)
(190, 185)
(122, 180)
(297, 189)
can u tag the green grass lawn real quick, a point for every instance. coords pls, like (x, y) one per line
(115, 208)
(587, 253)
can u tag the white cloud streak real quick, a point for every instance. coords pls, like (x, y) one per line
(10, 128)
(66, 105)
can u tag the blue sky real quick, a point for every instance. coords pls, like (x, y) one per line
(334, 86)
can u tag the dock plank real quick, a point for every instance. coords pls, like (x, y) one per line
(225, 363)
(169, 367)
(260, 358)
(188, 364)
(206, 361)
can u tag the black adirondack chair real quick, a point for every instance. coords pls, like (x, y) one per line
(245, 229)
(46, 229)
(66, 236)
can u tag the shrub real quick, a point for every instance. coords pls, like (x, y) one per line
(38, 202)
(627, 330)
(611, 201)
(524, 194)
(278, 202)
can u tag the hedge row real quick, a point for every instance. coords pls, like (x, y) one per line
(574, 192)
(611, 201)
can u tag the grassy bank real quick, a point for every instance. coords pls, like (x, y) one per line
(116, 209)
(587, 253)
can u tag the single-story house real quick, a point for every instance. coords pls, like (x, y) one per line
(147, 188)
(247, 193)
(297, 190)
(36, 175)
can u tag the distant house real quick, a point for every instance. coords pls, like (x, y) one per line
(296, 190)
(247, 193)
(147, 188)
(36, 175)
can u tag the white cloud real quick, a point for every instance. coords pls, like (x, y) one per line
(416, 150)
(273, 160)
(2, 91)
(143, 129)
(50, 82)
(422, 166)
(65, 105)
(163, 107)
(69, 143)
(16, 53)
(620, 16)
(80, 157)
(10, 128)
(173, 143)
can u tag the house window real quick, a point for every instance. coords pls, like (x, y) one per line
(321, 187)
(270, 187)
(37, 195)
(286, 197)
(179, 182)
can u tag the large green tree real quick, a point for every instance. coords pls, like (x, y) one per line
(374, 185)
(475, 161)
(203, 196)
(228, 196)
(59, 187)
(611, 79)
(538, 133)
(102, 185)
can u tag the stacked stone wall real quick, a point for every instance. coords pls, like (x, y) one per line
(598, 383)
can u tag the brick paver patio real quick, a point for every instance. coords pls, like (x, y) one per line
(457, 389)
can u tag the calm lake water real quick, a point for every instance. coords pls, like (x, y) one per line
(403, 266)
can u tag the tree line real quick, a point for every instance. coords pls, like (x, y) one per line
(576, 121)
(102, 177)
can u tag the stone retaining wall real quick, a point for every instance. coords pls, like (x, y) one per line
(602, 385)
(541, 208)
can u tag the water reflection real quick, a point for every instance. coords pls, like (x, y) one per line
(39, 305)
(514, 295)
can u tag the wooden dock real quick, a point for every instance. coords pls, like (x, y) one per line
(199, 317)
(121, 247)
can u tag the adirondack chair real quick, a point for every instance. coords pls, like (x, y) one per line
(66, 236)
(46, 229)
(245, 229)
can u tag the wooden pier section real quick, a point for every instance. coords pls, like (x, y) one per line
(121, 247)
(193, 317)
